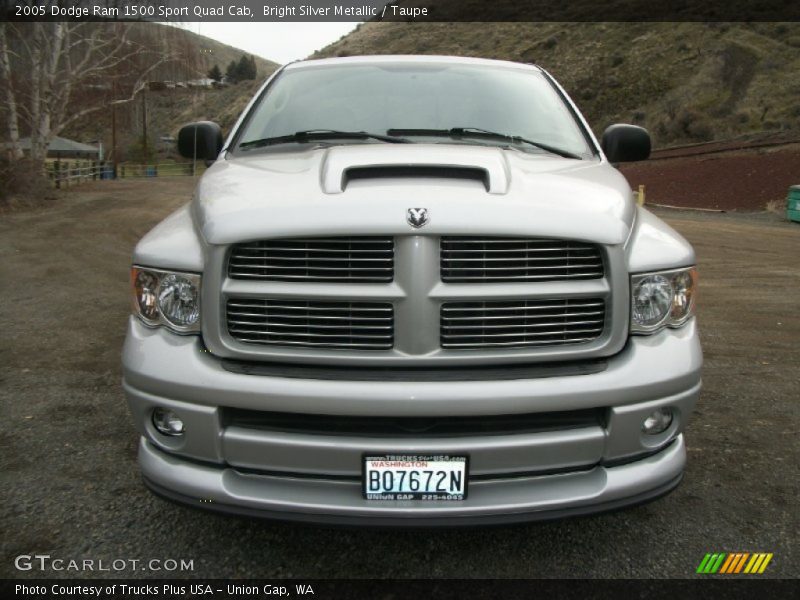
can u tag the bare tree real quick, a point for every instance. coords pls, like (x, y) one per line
(55, 74)
(10, 100)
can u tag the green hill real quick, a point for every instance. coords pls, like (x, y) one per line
(686, 82)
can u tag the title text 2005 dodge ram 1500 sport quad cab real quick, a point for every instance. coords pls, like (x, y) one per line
(412, 290)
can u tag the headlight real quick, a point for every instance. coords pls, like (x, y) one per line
(663, 299)
(167, 298)
(684, 286)
(145, 288)
(179, 300)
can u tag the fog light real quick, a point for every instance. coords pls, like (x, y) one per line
(658, 421)
(167, 422)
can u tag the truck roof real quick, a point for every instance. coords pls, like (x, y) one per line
(410, 59)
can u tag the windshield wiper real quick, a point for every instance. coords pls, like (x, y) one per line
(483, 133)
(314, 135)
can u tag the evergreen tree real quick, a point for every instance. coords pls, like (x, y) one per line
(232, 72)
(243, 69)
(215, 74)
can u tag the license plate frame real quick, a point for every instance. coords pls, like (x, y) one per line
(411, 495)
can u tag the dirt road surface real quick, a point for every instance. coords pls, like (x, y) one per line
(70, 486)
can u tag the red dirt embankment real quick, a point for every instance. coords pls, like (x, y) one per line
(732, 180)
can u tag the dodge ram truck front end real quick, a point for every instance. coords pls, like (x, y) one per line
(412, 290)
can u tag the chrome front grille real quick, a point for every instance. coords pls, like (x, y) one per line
(336, 259)
(472, 259)
(311, 323)
(521, 323)
(423, 314)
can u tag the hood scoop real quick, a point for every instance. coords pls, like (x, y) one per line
(416, 171)
(344, 164)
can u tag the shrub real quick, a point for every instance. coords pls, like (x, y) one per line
(22, 183)
(139, 152)
(701, 130)
(550, 43)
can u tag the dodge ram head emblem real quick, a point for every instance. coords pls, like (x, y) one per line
(417, 217)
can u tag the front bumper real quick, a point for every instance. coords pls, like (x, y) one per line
(309, 477)
(339, 502)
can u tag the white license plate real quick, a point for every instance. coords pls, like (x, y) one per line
(413, 477)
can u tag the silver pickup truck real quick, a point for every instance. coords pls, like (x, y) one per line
(412, 291)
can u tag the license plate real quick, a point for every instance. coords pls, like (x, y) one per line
(413, 477)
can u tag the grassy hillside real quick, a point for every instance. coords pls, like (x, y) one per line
(214, 52)
(686, 82)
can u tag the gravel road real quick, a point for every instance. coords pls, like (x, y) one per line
(70, 486)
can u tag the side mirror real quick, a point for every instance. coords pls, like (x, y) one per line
(201, 140)
(625, 143)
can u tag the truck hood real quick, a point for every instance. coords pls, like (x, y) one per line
(365, 189)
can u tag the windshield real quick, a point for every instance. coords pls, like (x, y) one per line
(420, 102)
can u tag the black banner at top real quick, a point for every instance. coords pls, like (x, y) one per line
(401, 10)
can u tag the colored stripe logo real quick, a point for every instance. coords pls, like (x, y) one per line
(731, 563)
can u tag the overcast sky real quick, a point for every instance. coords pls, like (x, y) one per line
(279, 42)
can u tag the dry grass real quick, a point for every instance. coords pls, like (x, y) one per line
(776, 206)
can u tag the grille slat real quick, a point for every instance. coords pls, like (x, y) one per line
(526, 326)
(470, 259)
(330, 268)
(511, 266)
(505, 317)
(311, 249)
(329, 324)
(449, 308)
(270, 332)
(236, 324)
(366, 259)
(250, 303)
(316, 317)
(316, 258)
(475, 325)
(340, 345)
(466, 346)
(499, 259)
(522, 278)
(524, 334)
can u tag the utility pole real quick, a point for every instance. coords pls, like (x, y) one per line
(114, 138)
(144, 124)
(114, 132)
